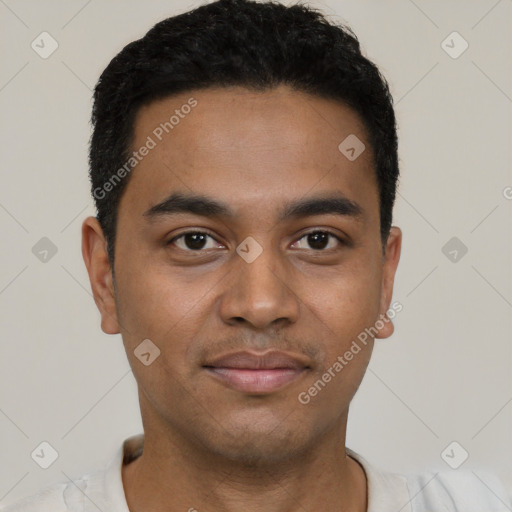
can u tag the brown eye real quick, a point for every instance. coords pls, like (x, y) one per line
(192, 241)
(319, 240)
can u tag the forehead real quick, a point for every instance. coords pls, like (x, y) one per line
(249, 149)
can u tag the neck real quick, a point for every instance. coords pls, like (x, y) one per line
(173, 475)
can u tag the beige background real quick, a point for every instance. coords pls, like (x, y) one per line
(446, 373)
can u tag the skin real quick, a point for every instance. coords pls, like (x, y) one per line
(208, 446)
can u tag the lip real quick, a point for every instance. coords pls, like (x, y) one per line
(252, 372)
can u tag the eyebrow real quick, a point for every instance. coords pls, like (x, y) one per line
(202, 205)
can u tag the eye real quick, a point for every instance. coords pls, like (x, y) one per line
(192, 241)
(319, 240)
(195, 241)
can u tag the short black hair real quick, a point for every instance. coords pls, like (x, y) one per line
(257, 45)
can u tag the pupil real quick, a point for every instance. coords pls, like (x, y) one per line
(315, 242)
(198, 240)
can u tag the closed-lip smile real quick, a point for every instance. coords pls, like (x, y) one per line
(257, 373)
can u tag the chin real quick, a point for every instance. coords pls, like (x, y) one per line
(260, 444)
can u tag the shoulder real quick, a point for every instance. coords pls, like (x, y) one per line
(96, 490)
(57, 497)
(50, 498)
(467, 490)
(461, 490)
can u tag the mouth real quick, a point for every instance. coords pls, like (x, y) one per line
(254, 373)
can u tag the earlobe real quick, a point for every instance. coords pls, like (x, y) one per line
(391, 259)
(385, 326)
(100, 274)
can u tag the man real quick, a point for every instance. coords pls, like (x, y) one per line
(244, 166)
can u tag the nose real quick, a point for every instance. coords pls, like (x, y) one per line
(259, 293)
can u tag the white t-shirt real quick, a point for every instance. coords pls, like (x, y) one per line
(445, 491)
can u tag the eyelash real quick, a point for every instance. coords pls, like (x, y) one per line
(326, 231)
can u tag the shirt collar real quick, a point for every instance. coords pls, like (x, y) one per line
(114, 489)
(386, 490)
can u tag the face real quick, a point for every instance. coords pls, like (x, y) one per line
(251, 300)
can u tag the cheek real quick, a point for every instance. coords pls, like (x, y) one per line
(168, 309)
(348, 300)
(342, 313)
(157, 297)
(155, 309)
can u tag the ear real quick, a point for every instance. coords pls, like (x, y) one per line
(390, 264)
(94, 252)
